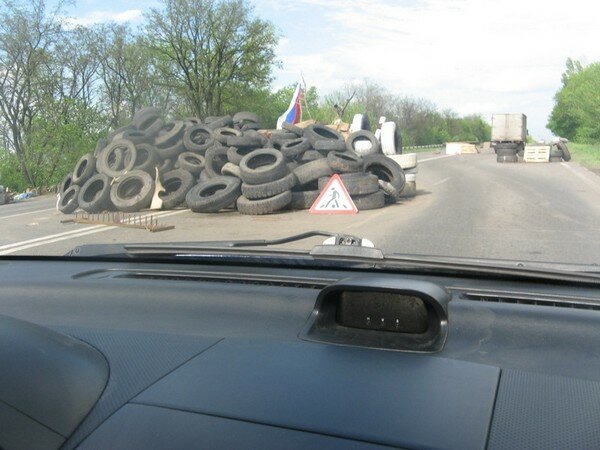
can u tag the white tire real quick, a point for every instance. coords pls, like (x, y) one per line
(356, 123)
(409, 190)
(388, 138)
(406, 161)
(362, 148)
(360, 122)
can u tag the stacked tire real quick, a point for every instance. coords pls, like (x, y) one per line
(507, 152)
(559, 152)
(120, 174)
(225, 163)
(408, 163)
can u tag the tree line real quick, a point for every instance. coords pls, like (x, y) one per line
(576, 112)
(64, 86)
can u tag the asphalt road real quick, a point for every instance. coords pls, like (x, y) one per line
(467, 205)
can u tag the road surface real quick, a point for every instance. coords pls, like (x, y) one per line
(467, 205)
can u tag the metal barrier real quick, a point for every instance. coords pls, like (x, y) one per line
(411, 147)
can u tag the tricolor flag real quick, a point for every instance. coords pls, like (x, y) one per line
(294, 112)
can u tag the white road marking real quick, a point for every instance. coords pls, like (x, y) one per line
(441, 181)
(28, 212)
(434, 158)
(24, 245)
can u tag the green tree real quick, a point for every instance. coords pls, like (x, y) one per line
(210, 50)
(576, 111)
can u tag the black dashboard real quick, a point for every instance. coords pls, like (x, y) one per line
(217, 356)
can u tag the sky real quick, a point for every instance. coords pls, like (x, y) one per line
(472, 56)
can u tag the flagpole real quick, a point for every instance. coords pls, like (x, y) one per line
(304, 96)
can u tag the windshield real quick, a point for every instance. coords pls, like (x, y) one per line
(433, 128)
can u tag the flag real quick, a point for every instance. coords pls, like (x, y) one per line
(294, 112)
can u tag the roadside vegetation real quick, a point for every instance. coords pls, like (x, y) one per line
(63, 86)
(576, 113)
(587, 155)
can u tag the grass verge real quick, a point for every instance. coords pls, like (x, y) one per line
(588, 155)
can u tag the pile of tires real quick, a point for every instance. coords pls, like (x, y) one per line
(508, 152)
(225, 163)
(559, 152)
(408, 163)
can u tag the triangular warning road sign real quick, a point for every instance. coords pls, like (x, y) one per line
(334, 199)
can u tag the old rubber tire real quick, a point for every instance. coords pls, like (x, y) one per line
(391, 141)
(214, 160)
(220, 122)
(231, 170)
(236, 154)
(317, 132)
(191, 162)
(265, 205)
(410, 189)
(363, 135)
(330, 145)
(146, 158)
(68, 202)
(133, 191)
(303, 199)
(360, 122)
(262, 165)
(312, 171)
(270, 189)
(311, 155)
(295, 147)
(213, 195)
(405, 161)
(355, 183)
(135, 136)
(171, 152)
(507, 158)
(100, 145)
(94, 196)
(566, 154)
(123, 150)
(144, 117)
(506, 152)
(222, 134)
(344, 162)
(84, 169)
(177, 184)
(385, 169)
(391, 193)
(165, 167)
(198, 139)
(245, 116)
(246, 141)
(170, 134)
(66, 183)
(370, 201)
(292, 128)
(506, 146)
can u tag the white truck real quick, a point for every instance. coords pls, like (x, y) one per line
(509, 134)
(509, 129)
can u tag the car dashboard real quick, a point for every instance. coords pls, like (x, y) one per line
(109, 354)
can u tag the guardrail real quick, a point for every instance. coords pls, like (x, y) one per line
(410, 147)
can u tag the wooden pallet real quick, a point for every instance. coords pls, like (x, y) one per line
(536, 154)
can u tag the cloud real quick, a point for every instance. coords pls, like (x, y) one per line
(474, 56)
(93, 17)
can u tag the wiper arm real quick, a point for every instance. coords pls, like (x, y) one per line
(337, 244)
(284, 240)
